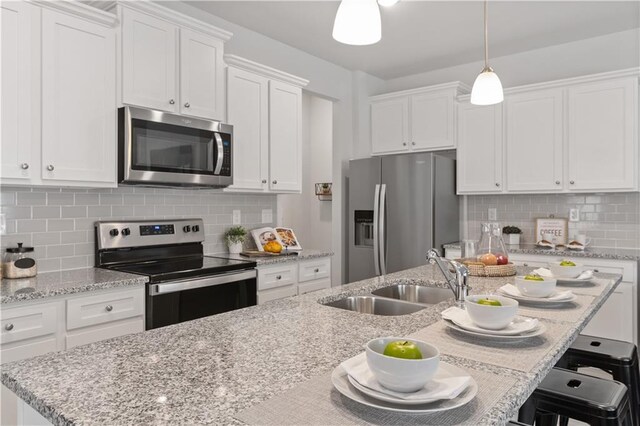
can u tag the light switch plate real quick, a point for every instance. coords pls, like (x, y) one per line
(237, 217)
(574, 215)
(267, 216)
(493, 214)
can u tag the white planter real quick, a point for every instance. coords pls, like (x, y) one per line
(235, 248)
(512, 239)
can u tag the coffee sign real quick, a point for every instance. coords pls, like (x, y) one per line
(553, 228)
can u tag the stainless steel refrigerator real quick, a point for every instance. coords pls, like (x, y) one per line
(400, 206)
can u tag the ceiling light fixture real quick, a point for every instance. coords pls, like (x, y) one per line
(358, 22)
(387, 3)
(487, 89)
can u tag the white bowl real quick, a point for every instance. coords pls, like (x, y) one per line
(400, 374)
(533, 288)
(491, 317)
(566, 271)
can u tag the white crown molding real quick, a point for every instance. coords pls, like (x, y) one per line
(246, 64)
(458, 88)
(624, 73)
(80, 10)
(162, 12)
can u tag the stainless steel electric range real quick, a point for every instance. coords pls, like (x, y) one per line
(183, 283)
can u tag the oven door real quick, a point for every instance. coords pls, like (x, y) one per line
(167, 149)
(177, 301)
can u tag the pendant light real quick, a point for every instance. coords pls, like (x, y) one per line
(487, 89)
(358, 22)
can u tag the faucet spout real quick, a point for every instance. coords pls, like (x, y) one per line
(457, 280)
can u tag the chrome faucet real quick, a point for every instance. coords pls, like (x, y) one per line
(458, 283)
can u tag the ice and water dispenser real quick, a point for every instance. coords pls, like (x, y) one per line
(363, 228)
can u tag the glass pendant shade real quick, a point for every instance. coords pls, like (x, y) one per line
(487, 89)
(387, 3)
(358, 22)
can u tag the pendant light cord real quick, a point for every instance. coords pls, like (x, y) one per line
(486, 36)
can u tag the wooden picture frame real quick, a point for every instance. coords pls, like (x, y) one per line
(558, 227)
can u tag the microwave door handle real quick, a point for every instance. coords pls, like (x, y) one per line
(220, 154)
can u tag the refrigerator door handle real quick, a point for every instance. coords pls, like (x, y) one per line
(376, 232)
(383, 219)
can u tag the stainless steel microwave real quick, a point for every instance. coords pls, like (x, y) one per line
(157, 148)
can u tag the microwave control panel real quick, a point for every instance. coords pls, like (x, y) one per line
(226, 155)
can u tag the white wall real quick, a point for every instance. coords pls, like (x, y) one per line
(309, 217)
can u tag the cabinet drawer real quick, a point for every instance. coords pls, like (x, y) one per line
(276, 276)
(103, 332)
(314, 269)
(28, 322)
(310, 286)
(112, 306)
(276, 293)
(29, 349)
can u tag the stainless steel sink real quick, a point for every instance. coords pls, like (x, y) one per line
(375, 305)
(415, 293)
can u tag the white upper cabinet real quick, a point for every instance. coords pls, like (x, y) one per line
(602, 146)
(415, 120)
(248, 112)
(78, 100)
(171, 62)
(533, 141)
(17, 96)
(149, 64)
(285, 137)
(479, 165)
(389, 126)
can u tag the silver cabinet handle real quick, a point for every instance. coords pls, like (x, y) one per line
(264, 181)
(404, 144)
(274, 182)
(186, 105)
(109, 308)
(525, 264)
(571, 182)
(316, 270)
(8, 327)
(278, 277)
(50, 167)
(171, 101)
(413, 143)
(24, 166)
(595, 270)
(557, 182)
(497, 185)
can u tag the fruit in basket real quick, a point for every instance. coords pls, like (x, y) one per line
(403, 349)
(502, 259)
(489, 302)
(273, 247)
(489, 259)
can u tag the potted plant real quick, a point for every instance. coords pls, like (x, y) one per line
(512, 234)
(234, 237)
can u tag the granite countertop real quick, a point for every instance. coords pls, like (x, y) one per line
(49, 284)
(209, 370)
(302, 255)
(592, 252)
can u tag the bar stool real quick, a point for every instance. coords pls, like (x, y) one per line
(618, 358)
(589, 399)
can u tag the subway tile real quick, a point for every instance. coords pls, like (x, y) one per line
(99, 211)
(143, 211)
(49, 265)
(72, 237)
(31, 225)
(153, 199)
(87, 199)
(8, 198)
(132, 199)
(75, 262)
(164, 210)
(60, 225)
(60, 199)
(46, 238)
(84, 249)
(61, 250)
(31, 199)
(49, 212)
(84, 223)
(72, 212)
(16, 212)
(110, 199)
(11, 240)
(122, 211)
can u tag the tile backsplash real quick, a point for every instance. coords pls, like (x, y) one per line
(610, 220)
(58, 222)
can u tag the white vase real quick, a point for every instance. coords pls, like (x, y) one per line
(235, 248)
(512, 239)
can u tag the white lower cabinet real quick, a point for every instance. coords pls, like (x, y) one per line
(289, 279)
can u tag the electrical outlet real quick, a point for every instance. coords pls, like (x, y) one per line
(493, 214)
(267, 216)
(237, 217)
(574, 215)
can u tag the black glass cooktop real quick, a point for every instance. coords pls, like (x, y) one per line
(184, 267)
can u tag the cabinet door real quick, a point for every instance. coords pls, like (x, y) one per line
(78, 100)
(389, 126)
(285, 137)
(479, 149)
(534, 141)
(17, 72)
(201, 75)
(432, 122)
(248, 112)
(149, 64)
(602, 152)
(614, 319)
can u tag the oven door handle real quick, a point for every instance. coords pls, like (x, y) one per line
(189, 284)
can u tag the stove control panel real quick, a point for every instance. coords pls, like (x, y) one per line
(116, 235)
(156, 229)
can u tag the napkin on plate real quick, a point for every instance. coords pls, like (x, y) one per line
(560, 296)
(545, 273)
(435, 389)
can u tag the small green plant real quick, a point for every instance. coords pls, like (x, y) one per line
(235, 234)
(511, 230)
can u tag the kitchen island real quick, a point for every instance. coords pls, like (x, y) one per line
(216, 370)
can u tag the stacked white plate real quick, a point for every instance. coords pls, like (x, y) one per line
(584, 278)
(451, 387)
(555, 298)
(519, 329)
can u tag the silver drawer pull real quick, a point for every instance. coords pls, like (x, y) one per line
(8, 327)
(264, 181)
(316, 270)
(109, 308)
(187, 105)
(278, 277)
(24, 166)
(595, 270)
(171, 101)
(50, 167)
(525, 264)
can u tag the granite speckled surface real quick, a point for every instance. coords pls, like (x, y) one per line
(302, 255)
(208, 370)
(592, 252)
(49, 284)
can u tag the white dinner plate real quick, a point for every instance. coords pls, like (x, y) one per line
(519, 325)
(340, 381)
(533, 333)
(540, 301)
(574, 281)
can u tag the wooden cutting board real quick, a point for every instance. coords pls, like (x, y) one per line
(256, 253)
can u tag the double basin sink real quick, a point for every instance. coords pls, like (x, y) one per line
(399, 299)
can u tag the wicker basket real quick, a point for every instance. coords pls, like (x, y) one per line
(478, 269)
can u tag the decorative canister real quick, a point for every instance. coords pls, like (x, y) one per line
(19, 262)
